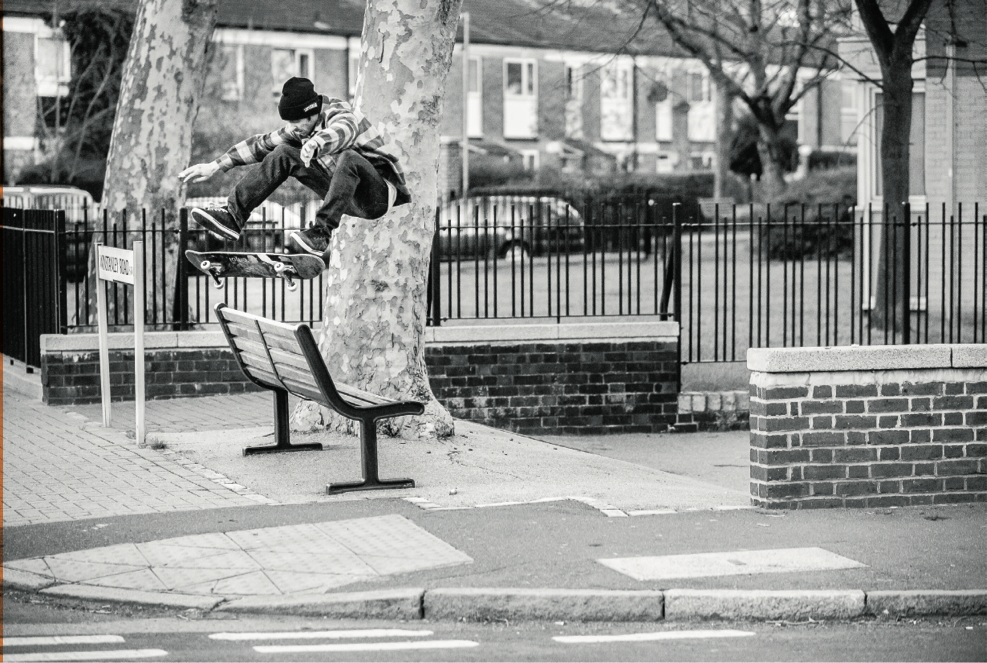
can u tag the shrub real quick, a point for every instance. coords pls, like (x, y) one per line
(813, 219)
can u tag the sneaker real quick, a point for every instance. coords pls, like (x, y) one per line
(218, 221)
(313, 241)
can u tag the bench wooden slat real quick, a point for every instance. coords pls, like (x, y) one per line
(286, 358)
(361, 397)
(304, 389)
(282, 358)
(302, 376)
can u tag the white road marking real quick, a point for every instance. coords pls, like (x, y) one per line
(120, 654)
(331, 635)
(644, 637)
(43, 640)
(366, 646)
(745, 562)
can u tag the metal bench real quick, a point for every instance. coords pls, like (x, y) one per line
(286, 359)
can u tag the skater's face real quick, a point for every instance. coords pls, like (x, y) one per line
(304, 126)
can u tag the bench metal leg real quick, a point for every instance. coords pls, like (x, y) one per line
(368, 454)
(282, 431)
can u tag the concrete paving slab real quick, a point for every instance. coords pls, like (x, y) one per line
(268, 561)
(741, 562)
(479, 465)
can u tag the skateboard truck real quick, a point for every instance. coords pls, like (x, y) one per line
(283, 271)
(214, 269)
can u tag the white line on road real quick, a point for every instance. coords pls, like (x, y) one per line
(332, 635)
(42, 640)
(643, 637)
(366, 646)
(121, 654)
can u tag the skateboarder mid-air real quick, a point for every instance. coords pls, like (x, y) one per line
(329, 147)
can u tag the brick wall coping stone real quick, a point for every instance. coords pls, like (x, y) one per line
(585, 331)
(867, 358)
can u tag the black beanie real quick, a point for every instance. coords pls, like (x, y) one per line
(299, 99)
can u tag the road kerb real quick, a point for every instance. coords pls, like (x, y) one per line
(792, 605)
(578, 605)
(927, 602)
(400, 603)
(117, 595)
(25, 580)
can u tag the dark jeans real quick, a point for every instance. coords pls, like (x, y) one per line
(356, 188)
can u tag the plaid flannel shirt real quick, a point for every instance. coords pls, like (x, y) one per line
(339, 128)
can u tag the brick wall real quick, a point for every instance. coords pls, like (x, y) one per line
(868, 427)
(587, 378)
(69, 378)
(562, 387)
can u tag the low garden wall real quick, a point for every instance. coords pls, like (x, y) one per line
(579, 378)
(868, 426)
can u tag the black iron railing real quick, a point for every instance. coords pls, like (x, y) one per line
(812, 277)
(742, 277)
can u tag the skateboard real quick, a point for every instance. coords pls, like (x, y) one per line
(229, 264)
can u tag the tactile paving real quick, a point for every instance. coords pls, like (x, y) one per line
(292, 559)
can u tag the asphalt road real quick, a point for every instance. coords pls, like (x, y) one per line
(30, 632)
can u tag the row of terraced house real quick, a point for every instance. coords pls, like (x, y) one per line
(550, 88)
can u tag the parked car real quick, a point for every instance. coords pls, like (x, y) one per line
(509, 225)
(79, 207)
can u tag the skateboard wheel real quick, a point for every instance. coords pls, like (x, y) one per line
(204, 264)
(279, 267)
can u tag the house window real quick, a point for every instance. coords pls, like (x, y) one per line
(231, 72)
(616, 108)
(53, 65)
(702, 110)
(573, 83)
(793, 120)
(288, 62)
(474, 100)
(520, 99)
(848, 113)
(698, 87)
(520, 79)
(664, 163)
(530, 159)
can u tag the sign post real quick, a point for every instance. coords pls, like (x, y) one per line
(121, 266)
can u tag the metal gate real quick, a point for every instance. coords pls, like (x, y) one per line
(33, 289)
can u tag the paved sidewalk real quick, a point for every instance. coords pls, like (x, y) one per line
(500, 526)
(59, 465)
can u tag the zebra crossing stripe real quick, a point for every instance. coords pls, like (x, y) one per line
(47, 640)
(645, 637)
(330, 635)
(120, 654)
(366, 646)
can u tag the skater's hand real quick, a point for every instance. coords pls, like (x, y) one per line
(200, 172)
(310, 149)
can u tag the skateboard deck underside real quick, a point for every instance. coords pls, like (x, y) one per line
(227, 264)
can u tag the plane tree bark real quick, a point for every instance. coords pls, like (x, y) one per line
(373, 334)
(151, 143)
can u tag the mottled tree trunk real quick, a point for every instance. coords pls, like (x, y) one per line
(772, 152)
(152, 131)
(724, 138)
(373, 332)
(890, 293)
(895, 54)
